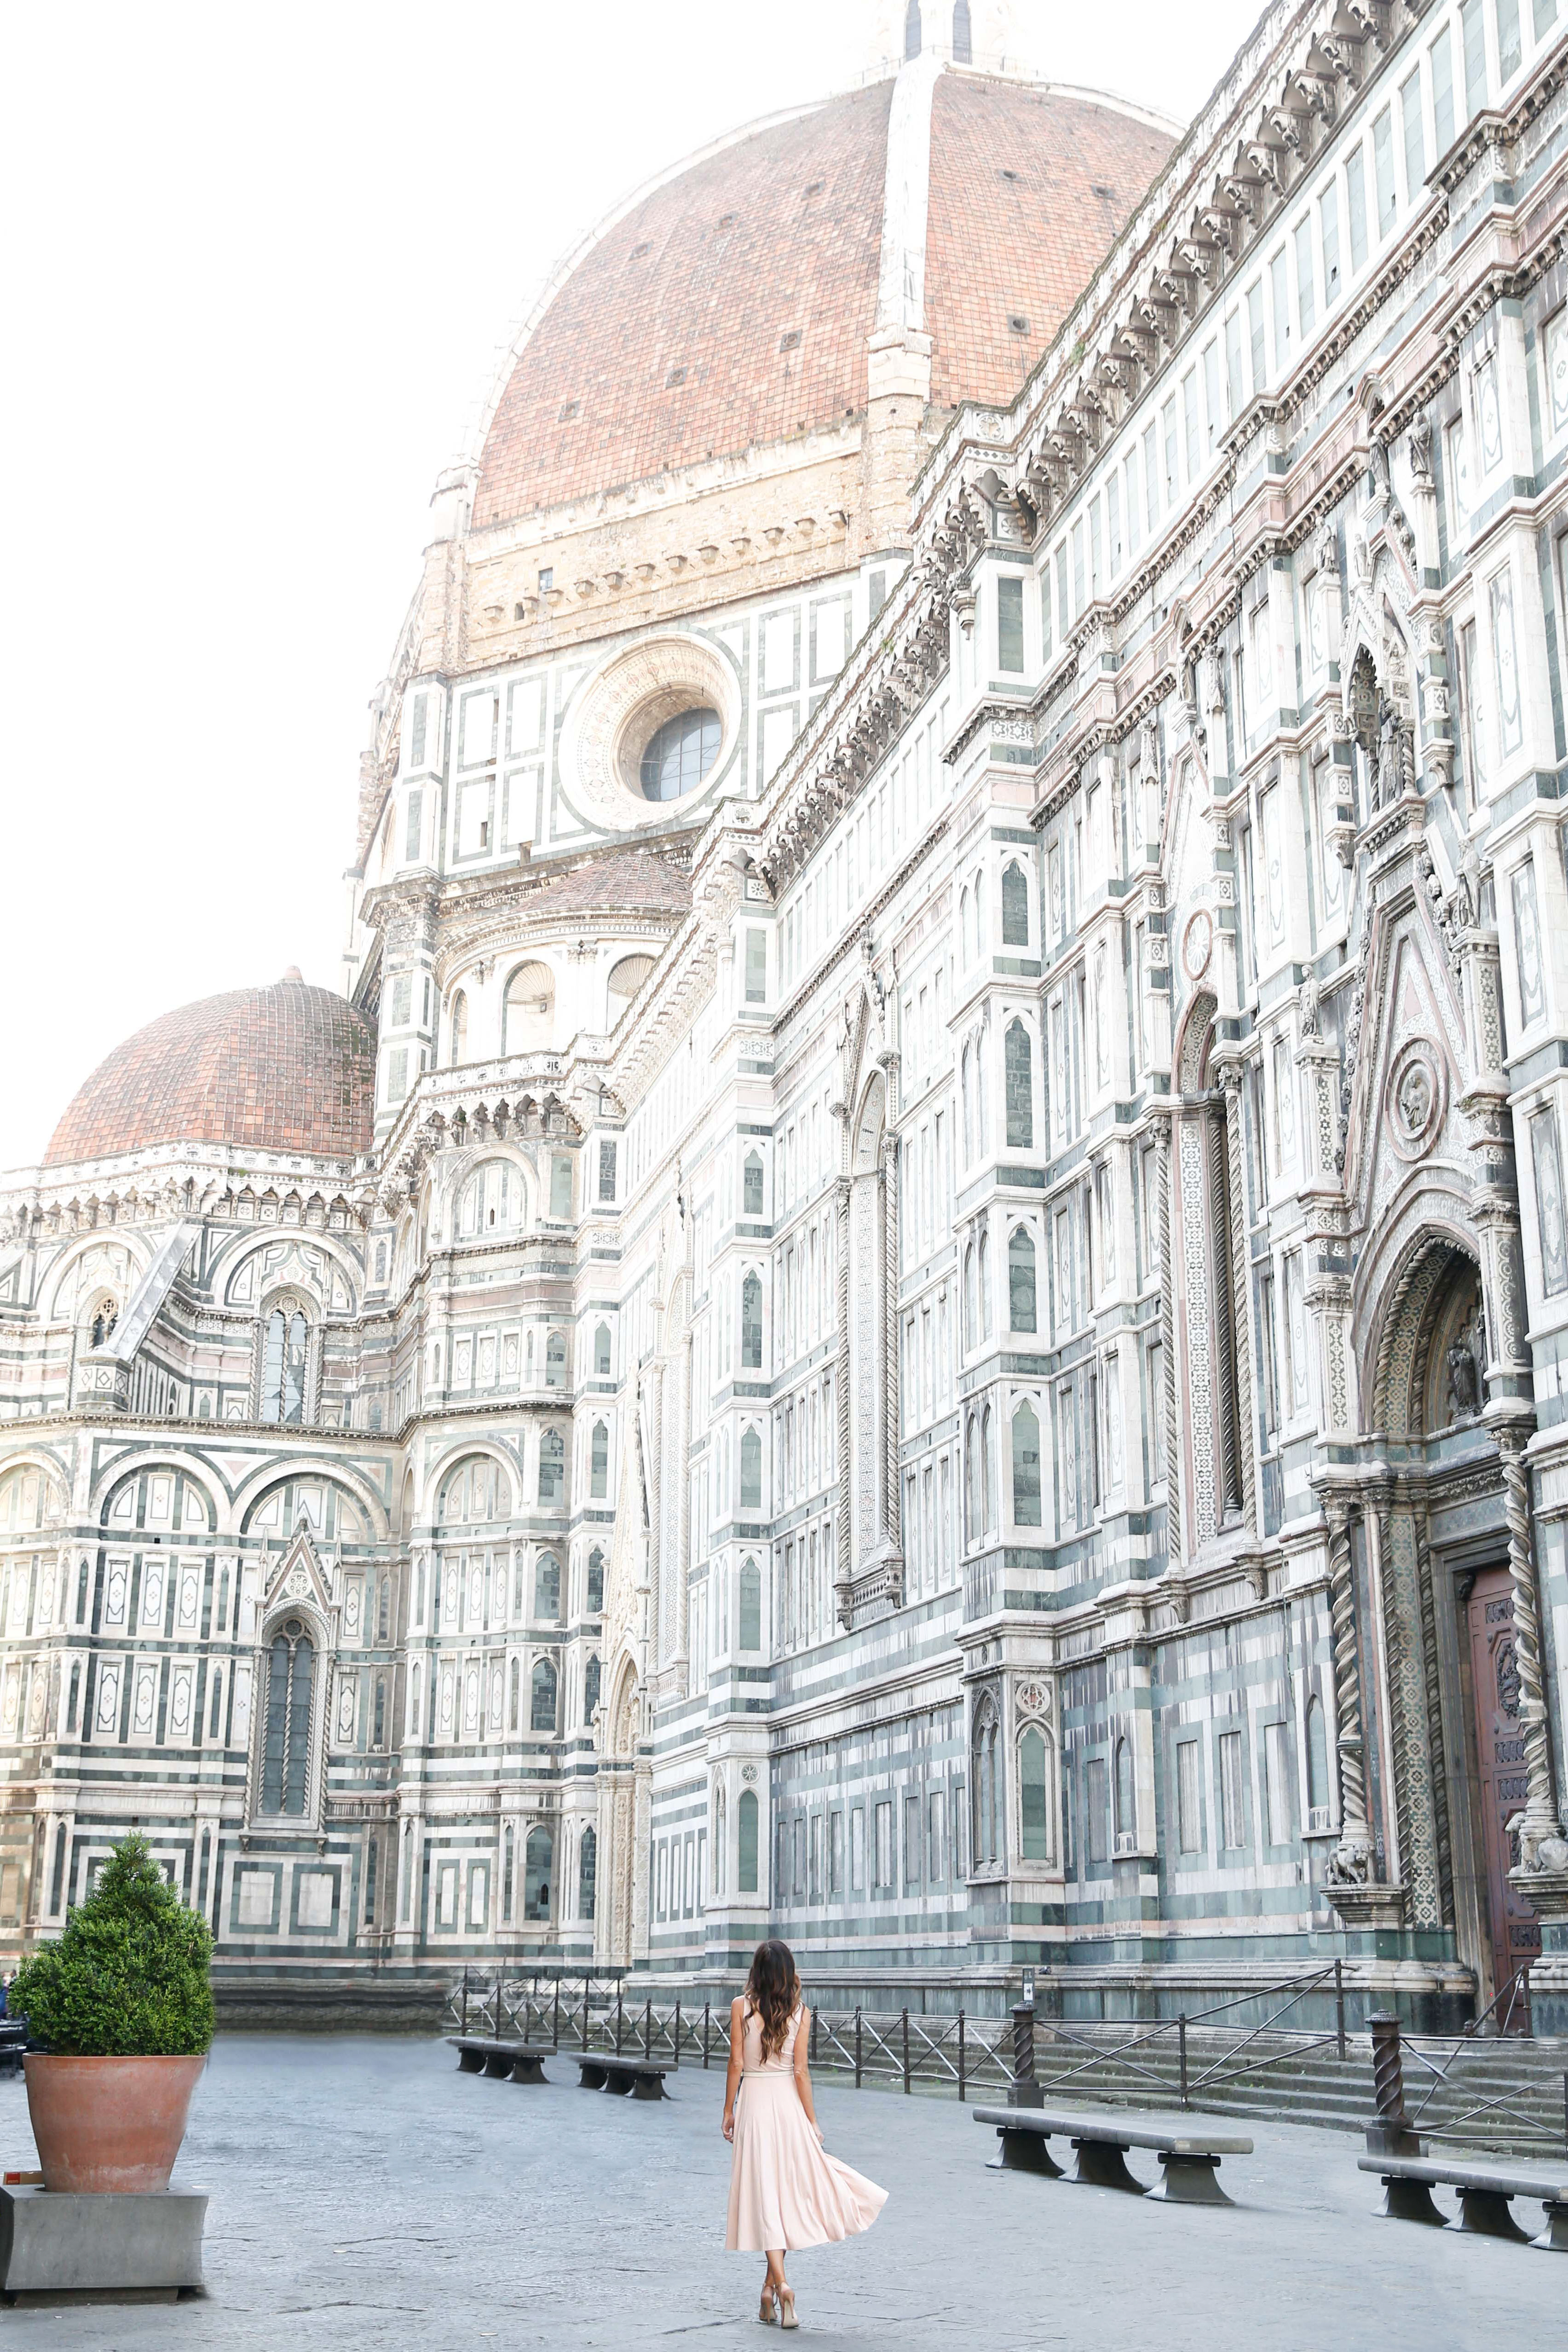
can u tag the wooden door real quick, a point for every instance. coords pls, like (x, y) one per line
(1500, 1756)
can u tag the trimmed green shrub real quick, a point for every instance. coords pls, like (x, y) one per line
(129, 1977)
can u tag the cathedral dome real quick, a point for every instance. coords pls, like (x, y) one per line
(732, 303)
(285, 1068)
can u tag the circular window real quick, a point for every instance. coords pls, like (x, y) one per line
(678, 755)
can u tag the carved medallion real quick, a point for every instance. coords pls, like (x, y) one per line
(1413, 1100)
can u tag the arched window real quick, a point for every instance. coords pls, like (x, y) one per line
(974, 1514)
(489, 1203)
(602, 1352)
(547, 1588)
(751, 1185)
(286, 1748)
(912, 29)
(971, 1298)
(516, 1694)
(457, 1034)
(751, 1470)
(1020, 1088)
(1014, 906)
(988, 1480)
(983, 1278)
(599, 1463)
(746, 1843)
(626, 979)
(964, 925)
(1022, 1313)
(528, 1009)
(590, 1688)
(1034, 1820)
(1317, 1763)
(476, 1491)
(751, 1629)
(1126, 1802)
(1025, 1466)
(555, 1360)
(587, 1864)
(538, 1855)
(283, 1366)
(978, 887)
(963, 41)
(988, 1846)
(542, 1697)
(551, 1467)
(752, 1324)
(105, 1316)
(966, 1092)
(595, 1582)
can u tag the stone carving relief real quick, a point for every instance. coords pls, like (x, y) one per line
(1414, 1099)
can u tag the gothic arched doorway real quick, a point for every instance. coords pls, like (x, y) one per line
(1446, 1733)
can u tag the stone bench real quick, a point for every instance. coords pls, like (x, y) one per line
(1485, 2193)
(523, 2062)
(642, 2077)
(1189, 2155)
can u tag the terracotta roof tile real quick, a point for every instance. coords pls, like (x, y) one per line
(285, 1068)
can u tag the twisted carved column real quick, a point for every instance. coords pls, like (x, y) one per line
(887, 1276)
(1246, 1403)
(1351, 1862)
(1168, 1354)
(1539, 1809)
(1435, 1739)
(1380, 1503)
(841, 1414)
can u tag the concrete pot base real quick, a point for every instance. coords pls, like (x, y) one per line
(60, 2249)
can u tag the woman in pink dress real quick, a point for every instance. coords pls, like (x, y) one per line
(784, 2189)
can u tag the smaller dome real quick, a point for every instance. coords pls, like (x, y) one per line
(285, 1069)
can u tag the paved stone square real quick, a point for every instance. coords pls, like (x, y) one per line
(366, 2193)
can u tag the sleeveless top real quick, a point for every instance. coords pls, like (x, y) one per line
(782, 2061)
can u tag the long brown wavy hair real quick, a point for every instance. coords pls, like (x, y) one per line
(774, 1989)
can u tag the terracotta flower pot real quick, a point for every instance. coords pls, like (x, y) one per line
(107, 2124)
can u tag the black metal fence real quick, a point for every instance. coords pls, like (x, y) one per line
(1493, 2089)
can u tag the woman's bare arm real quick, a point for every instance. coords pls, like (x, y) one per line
(733, 2080)
(803, 2069)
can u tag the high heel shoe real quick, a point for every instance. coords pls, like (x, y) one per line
(769, 2312)
(786, 2307)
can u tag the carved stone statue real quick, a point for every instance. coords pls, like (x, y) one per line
(1390, 757)
(1464, 1379)
(1414, 1099)
(1421, 451)
(1309, 1002)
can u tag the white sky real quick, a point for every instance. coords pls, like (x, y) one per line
(258, 264)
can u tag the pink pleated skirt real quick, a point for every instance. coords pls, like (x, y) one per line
(785, 2191)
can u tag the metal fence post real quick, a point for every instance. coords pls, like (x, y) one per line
(811, 2053)
(620, 2000)
(960, 2057)
(857, 2048)
(648, 2029)
(906, 2048)
(707, 2006)
(1340, 2004)
(587, 1997)
(557, 2025)
(1181, 2047)
(677, 2031)
(463, 2022)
